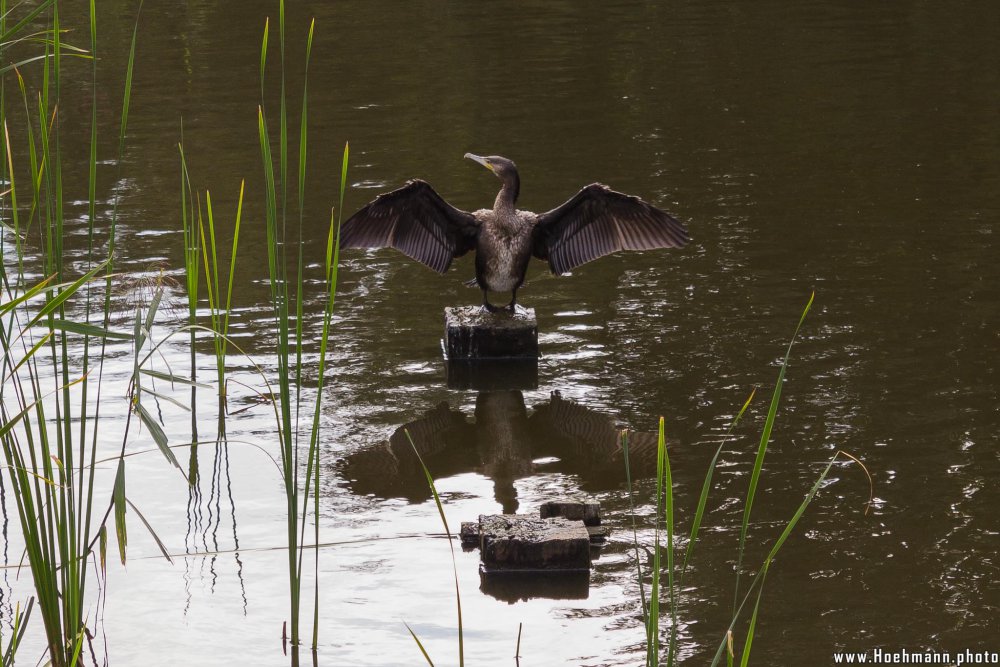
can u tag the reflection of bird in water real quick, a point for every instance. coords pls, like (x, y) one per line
(503, 444)
(391, 469)
(597, 221)
(589, 442)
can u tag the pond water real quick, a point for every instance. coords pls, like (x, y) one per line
(843, 148)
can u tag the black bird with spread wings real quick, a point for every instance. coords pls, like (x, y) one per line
(595, 222)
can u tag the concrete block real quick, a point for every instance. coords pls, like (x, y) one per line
(469, 534)
(589, 512)
(472, 334)
(519, 543)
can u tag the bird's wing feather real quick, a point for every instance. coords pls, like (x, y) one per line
(598, 221)
(416, 221)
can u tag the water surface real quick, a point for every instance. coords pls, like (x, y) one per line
(845, 149)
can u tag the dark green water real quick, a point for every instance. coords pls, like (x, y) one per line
(846, 148)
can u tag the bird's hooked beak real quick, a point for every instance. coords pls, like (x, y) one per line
(481, 160)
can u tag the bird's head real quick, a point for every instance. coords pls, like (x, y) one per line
(506, 171)
(501, 166)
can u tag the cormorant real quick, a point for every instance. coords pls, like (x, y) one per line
(597, 221)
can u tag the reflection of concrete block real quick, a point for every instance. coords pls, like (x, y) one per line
(576, 510)
(470, 333)
(512, 542)
(530, 585)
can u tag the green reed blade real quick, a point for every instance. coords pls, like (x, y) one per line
(669, 519)
(91, 330)
(173, 379)
(149, 527)
(451, 545)
(129, 70)
(706, 485)
(263, 55)
(17, 632)
(27, 356)
(118, 498)
(211, 252)
(232, 265)
(56, 302)
(635, 535)
(419, 645)
(35, 290)
(102, 535)
(653, 621)
(27, 19)
(155, 430)
(9, 423)
(745, 658)
(785, 533)
(164, 397)
(762, 449)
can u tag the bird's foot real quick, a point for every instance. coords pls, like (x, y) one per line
(488, 307)
(515, 309)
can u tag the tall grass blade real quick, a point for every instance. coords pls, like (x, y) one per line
(669, 520)
(90, 330)
(635, 536)
(762, 450)
(748, 643)
(758, 581)
(451, 545)
(159, 437)
(118, 497)
(653, 620)
(102, 540)
(149, 527)
(17, 631)
(9, 34)
(419, 644)
(173, 379)
(706, 486)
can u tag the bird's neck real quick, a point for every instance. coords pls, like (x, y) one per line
(507, 198)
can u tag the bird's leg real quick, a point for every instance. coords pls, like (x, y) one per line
(487, 306)
(512, 306)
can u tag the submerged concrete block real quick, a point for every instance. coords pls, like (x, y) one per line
(589, 512)
(472, 334)
(519, 543)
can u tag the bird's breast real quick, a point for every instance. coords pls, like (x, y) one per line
(502, 257)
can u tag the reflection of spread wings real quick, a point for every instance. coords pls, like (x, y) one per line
(579, 435)
(391, 470)
(427, 433)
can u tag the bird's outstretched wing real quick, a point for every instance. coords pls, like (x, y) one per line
(416, 221)
(598, 221)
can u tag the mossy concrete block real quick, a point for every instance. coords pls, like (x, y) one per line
(598, 534)
(469, 534)
(470, 333)
(587, 511)
(523, 543)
